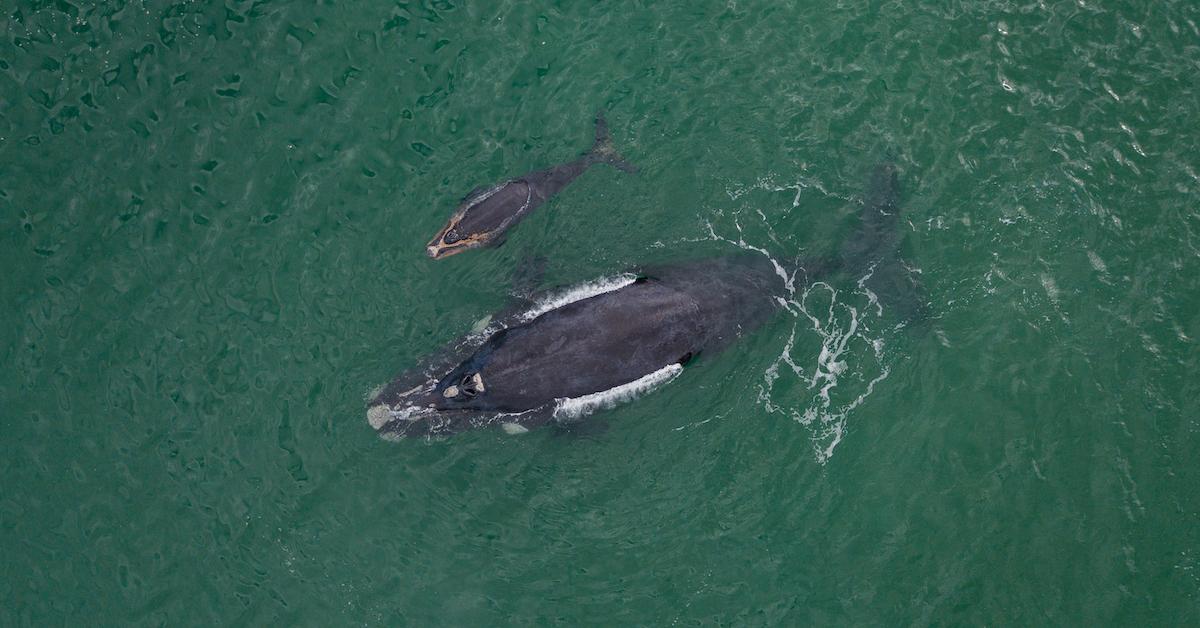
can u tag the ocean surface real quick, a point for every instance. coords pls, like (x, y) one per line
(212, 228)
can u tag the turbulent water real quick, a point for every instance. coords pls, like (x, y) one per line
(212, 229)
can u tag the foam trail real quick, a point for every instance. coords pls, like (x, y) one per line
(576, 407)
(789, 281)
(577, 293)
(771, 184)
(840, 327)
(485, 327)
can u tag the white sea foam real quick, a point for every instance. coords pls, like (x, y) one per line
(577, 293)
(839, 327)
(771, 184)
(374, 392)
(1051, 287)
(843, 332)
(485, 327)
(576, 407)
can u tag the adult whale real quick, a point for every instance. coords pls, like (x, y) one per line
(641, 330)
(487, 212)
(649, 324)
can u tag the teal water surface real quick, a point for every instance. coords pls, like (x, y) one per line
(212, 221)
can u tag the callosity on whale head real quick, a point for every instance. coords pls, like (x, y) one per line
(482, 219)
(416, 404)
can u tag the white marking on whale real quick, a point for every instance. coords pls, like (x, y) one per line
(378, 416)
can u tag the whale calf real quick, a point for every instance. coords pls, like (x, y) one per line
(619, 337)
(487, 212)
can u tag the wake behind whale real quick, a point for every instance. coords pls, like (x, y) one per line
(840, 345)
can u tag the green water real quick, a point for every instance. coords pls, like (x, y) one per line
(212, 219)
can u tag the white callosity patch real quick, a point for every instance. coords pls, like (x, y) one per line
(381, 415)
(378, 416)
(576, 407)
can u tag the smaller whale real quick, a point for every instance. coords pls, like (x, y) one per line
(488, 212)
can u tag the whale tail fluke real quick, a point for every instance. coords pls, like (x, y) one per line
(878, 232)
(603, 150)
(873, 250)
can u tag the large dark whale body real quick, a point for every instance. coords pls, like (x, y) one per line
(488, 212)
(522, 372)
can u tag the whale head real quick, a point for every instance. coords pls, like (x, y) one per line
(482, 219)
(416, 404)
(454, 238)
(421, 412)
